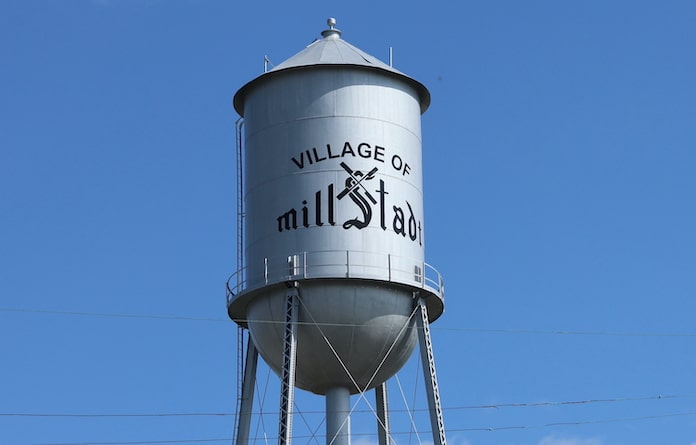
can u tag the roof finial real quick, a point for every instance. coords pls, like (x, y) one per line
(332, 32)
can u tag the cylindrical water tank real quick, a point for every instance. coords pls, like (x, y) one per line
(333, 201)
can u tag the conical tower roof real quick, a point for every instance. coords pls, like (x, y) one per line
(332, 50)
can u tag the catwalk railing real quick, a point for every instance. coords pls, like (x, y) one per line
(336, 264)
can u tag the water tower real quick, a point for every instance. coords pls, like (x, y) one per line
(332, 284)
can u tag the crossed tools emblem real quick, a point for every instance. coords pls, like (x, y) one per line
(355, 181)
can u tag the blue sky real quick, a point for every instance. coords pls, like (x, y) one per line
(559, 158)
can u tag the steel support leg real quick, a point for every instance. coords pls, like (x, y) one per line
(383, 430)
(287, 389)
(247, 397)
(431, 387)
(338, 416)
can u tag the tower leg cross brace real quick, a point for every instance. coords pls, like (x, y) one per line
(287, 395)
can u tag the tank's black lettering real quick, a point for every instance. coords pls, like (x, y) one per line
(382, 193)
(317, 207)
(364, 150)
(300, 163)
(332, 219)
(412, 226)
(347, 149)
(316, 156)
(398, 223)
(379, 153)
(305, 219)
(331, 155)
(287, 217)
(366, 200)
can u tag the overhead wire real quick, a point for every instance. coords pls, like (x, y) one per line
(452, 408)
(314, 435)
(577, 422)
(261, 424)
(401, 433)
(111, 314)
(412, 422)
(138, 442)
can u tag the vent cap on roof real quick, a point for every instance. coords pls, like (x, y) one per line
(332, 31)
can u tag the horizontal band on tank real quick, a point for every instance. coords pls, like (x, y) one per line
(338, 264)
(422, 92)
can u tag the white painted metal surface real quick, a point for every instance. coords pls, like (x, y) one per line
(333, 205)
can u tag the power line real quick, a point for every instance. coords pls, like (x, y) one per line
(453, 408)
(114, 315)
(439, 328)
(572, 402)
(577, 422)
(139, 442)
(449, 430)
(84, 415)
(569, 332)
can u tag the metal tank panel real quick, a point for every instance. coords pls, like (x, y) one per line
(333, 200)
(321, 139)
(375, 344)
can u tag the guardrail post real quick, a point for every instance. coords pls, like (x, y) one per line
(304, 260)
(389, 265)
